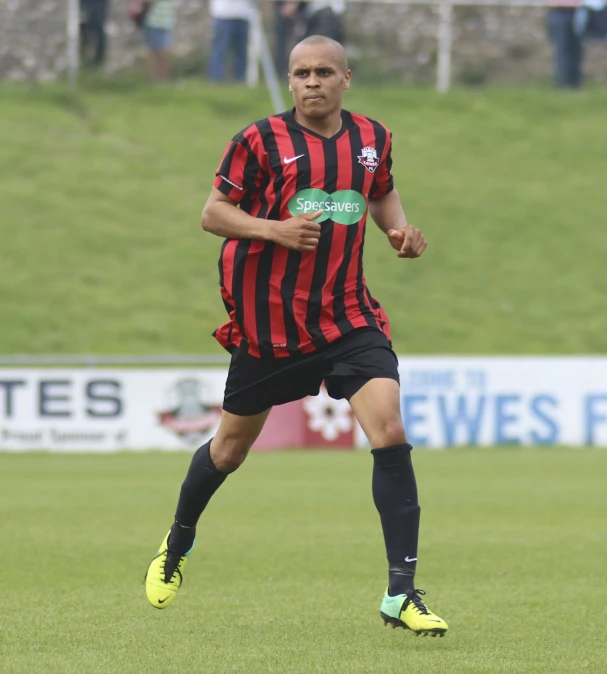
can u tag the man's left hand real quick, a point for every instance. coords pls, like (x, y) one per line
(409, 241)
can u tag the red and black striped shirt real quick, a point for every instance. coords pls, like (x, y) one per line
(283, 302)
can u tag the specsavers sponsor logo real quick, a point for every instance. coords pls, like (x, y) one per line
(345, 207)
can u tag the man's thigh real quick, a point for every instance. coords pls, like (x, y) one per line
(256, 384)
(357, 358)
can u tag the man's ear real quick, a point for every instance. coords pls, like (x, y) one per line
(348, 79)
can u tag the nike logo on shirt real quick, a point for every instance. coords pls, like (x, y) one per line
(290, 160)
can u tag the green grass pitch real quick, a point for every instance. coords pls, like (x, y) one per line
(289, 567)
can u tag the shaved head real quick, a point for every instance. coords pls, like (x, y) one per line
(326, 43)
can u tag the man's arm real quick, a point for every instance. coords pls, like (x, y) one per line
(387, 212)
(222, 217)
(389, 216)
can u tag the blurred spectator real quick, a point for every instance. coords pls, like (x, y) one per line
(286, 15)
(590, 20)
(321, 17)
(158, 25)
(93, 14)
(567, 45)
(230, 37)
(325, 18)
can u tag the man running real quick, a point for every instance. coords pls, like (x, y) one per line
(291, 198)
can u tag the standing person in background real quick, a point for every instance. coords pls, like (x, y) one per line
(321, 17)
(158, 34)
(286, 15)
(567, 45)
(231, 20)
(93, 41)
(325, 17)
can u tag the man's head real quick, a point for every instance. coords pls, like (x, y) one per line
(318, 76)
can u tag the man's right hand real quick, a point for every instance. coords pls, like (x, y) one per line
(297, 233)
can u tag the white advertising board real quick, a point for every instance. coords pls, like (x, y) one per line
(448, 401)
(445, 401)
(108, 409)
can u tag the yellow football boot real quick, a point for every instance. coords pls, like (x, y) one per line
(165, 575)
(410, 612)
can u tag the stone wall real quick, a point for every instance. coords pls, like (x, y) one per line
(491, 44)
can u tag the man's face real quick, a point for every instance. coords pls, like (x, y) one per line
(318, 78)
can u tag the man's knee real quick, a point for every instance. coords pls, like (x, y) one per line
(229, 452)
(388, 432)
(234, 438)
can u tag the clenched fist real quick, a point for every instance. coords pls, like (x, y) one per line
(409, 241)
(297, 233)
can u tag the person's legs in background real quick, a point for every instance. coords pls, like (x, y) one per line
(568, 48)
(164, 62)
(283, 33)
(240, 47)
(159, 42)
(219, 49)
(576, 58)
(100, 9)
(86, 33)
(92, 27)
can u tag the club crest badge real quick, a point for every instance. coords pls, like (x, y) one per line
(369, 159)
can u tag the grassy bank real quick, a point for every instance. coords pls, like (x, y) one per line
(101, 194)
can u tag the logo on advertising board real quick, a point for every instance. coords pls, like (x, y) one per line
(329, 422)
(189, 417)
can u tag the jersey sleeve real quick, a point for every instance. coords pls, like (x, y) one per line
(239, 174)
(383, 182)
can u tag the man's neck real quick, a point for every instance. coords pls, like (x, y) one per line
(327, 127)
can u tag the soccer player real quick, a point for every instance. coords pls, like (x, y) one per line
(291, 198)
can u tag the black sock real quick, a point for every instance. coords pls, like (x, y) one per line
(395, 497)
(181, 539)
(201, 482)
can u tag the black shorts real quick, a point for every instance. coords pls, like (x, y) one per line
(346, 365)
